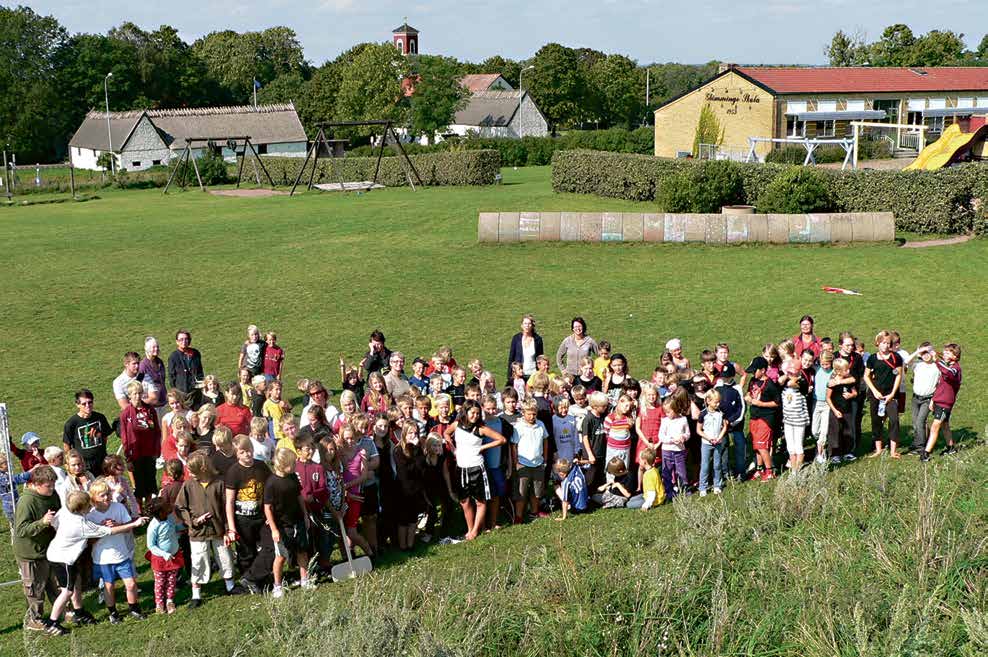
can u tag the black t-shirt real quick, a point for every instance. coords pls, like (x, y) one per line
(88, 436)
(257, 405)
(205, 441)
(593, 429)
(282, 493)
(458, 393)
(856, 365)
(883, 371)
(766, 391)
(593, 384)
(222, 462)
(837, 396)
(249, 484)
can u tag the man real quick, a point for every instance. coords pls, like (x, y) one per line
(395, 380)
(185, 367)
(319, 396)
(86, 432)
(377, 355)
(131, 363)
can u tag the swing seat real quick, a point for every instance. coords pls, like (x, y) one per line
(359, 186)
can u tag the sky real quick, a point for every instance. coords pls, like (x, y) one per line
(694, 31)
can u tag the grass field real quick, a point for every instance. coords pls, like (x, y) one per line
(852, 563)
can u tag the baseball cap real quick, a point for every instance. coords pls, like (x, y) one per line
(757, 363)
(29, 438)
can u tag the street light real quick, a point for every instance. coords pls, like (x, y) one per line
(521, 91)
(109, 135)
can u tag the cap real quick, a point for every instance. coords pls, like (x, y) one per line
(757, 363)
(727, 372)
(674, 344)
(29, 438)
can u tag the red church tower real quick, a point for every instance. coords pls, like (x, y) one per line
(406, 39)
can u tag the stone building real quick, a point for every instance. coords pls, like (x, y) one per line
(511, 114)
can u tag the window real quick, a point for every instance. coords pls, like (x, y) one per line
(982, 102)
(826, 106)
(262, 149)
(400, 45)
(890, 107)
(965, 102)
(412, 47)
(935, 123)
(917, 104)
(825, 128)
(795, 127)
(135, 165)
(156, 163)
(795, 107)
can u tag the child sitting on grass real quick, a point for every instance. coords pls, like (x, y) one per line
(613, 493)
(572, 489)
(653, 493)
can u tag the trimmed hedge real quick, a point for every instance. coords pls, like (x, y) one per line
(459, 168)
(922, 201)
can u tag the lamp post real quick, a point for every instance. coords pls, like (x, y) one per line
(109, 135)
(521, 91)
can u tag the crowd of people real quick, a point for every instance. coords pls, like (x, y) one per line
(234, 477)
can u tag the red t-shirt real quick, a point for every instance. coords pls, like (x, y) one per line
(816, 346)
(273, 356)
(236, 418)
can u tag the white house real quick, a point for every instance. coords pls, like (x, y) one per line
(477, 82)
(142, 139)
(510, 114)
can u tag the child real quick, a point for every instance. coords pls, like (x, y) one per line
(333, 512)
(763, 398)
(211, 392)
(438, 486)
(457, 387)
(538, 385)
(274, 357)
(252, 352)
(33, 532)
(673, 434)
(712, 427)
(617, 372)
(602, 363)
(572, 490)
(233, 413)
(618, 427)
(587, 378)
(594, 439)
(795, 419)
(355, 473)
(418, 379)
(883, 376)
(841, 390)
(258, 395)
(244, 486)
(564, 431)
(315, 495)
(261, 442)
(352, 379)
(115, 473)
(580, 406)
(423, 415)
(653, 493)
(201, 506)
(31, 455)
(285, 532)
(488, 388)
(613, 494)
(164, 554)
(72, 534)
(647, 425)
(377, 400)
(246, 387)
(113, 556)
(8, 487)
(944, 399)
(518, 381)
(496, 459)
(477, 369)
(529, 453)
(469, 433)
(820, 421)
(733, 408)
(224, 455)
(926, 376)
(409, 469)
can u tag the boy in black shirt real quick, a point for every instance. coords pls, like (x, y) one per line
(245, 481)
(764, 399)
(86, 432)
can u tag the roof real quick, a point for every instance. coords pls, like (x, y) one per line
(479, 81)
(404, 28)
(490, 108)
(265, 124)
(863, 79)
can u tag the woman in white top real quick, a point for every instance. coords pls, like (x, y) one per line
(526, 346)
(469, 432)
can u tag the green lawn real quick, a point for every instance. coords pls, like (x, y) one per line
(83, 283)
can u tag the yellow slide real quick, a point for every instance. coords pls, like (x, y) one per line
(942, 152)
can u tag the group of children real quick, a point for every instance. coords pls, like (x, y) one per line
(250, 487)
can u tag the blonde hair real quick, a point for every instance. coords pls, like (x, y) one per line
(348, 395)
(883, 335)
(134, 386)
(563, 466)
(284, 461)
(258, 426)
(78, 502)
(98, 487)
(243, 443)
(207, 410)
(712, 396)
(52, 452)
(841, 365)
(529, 405)
(222, 437)
(539, 382)
(598, 400)
(210, 378)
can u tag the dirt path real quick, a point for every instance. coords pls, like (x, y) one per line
(944, 242)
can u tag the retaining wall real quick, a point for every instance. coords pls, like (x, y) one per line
(668, 227)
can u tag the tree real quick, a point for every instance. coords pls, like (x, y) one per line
(982, 51)
(438, 95)
(708, 130)
(508, 68)
(846, 50)
(557, 85)
(370, 86)
(895, 48)
(619, 86)
(236, 60)
(936, 48)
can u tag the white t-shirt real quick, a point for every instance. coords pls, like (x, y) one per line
(671, 431)
(468, 449)
(118, 547)
(264, 451)
(530, 439)
(331, 413)
(72, 532)
(926, 376)
(120, 385)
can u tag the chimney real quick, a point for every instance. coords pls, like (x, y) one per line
(725, 66)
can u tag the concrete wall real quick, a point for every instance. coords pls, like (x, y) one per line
(705, 228)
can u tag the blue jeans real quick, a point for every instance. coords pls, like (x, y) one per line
(710, 453)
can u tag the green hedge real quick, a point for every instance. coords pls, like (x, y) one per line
(922, 201)
(536, 151)
(455, 168)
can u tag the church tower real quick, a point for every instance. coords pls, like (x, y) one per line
(406, 39)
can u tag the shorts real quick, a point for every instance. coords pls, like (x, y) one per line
(499, 485)
(145, 476)
(293, 540)
(371, 504)
(941, 413)
(761, 433)
(65, 575)
(474, 483)
(531, 481)
(111, 572)
(352, 513)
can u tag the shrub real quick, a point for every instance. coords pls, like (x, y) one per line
(703, 188)
(795, 191)
(212, 169)
(797, 155)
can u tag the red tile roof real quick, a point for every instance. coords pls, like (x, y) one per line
(479, 81)
(865, 79)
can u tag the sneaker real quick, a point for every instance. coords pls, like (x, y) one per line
(819, 459)
(703, 493)
(924, 456)
(237, 590)
(170, 607)
(308, 584)
(136, 614)
(34, 625)
(114, 618)
(850, 457)
(948, 450)
(54, 628)
(83, 617)
(835, 460)
(277, 592)
(195, 603)
(717, 491)
(250, 586)
(768, 475)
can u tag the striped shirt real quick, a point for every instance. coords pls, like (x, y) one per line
(618, 430)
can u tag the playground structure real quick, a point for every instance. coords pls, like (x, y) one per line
(953, 144)
(850, 147)
(323, 146)
(240, 145)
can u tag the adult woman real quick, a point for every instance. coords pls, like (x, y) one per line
(140, 434)
(77, 477)
(806, 340)
(577, 345)
(153, 370)
(526, 346)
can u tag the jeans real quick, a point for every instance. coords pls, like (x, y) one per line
(921, 410)
(714, 453)
(674, 462)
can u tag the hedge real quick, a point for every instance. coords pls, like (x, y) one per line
(922, 201)
(456, 168)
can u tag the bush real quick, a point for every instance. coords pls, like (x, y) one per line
(922, 201)
(796, 191)
(213, 169)
(797, 155)
(703, 189)
(455, 168)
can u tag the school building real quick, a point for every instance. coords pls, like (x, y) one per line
(821, 103)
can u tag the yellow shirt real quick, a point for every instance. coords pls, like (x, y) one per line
(600, 365)
(273, 411)
(651, 483)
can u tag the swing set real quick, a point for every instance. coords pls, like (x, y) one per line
(242, 149)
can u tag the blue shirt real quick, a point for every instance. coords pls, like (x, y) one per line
(820, 384)
(162, 537)
(422, 385)
(575, 489)
(492, 456)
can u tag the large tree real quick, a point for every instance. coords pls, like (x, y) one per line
(438, 95)
(508, 68)
(895, 48)
(619, 85)
(846, 50)
(235, 60)
(936, 48)
(370, 86)
(556, 84)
